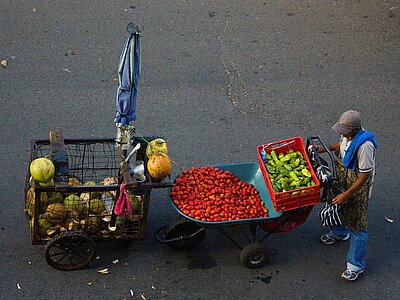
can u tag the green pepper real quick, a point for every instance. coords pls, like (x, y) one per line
(288, 167)
(274, 157)
(284, 171)
(286, 186)
(286, 158)
(306, 173)
(295, 184)
(296, 162)
(270, 169)
(297, 173)
(288, 179)
(293, 175)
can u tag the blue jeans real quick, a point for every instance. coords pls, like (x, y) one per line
(358, 246)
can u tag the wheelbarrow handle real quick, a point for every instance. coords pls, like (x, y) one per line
(160, 237)
(332, 158)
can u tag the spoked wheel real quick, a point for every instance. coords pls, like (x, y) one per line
(254, 256)
(185, 235)
(70, 251)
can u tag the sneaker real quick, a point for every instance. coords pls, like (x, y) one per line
(351, 275)
(329, 239)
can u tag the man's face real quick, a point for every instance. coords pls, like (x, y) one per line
(351, 134)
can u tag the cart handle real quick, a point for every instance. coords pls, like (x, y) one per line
(332, 158)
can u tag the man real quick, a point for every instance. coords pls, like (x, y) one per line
(355, 170)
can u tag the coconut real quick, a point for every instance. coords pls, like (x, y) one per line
(92, 224)
(96, 206)
(72, 221)
(50, 183)
(55, 213)
(85, 197)
(30, 201)
(159, 166)
(136, 202)
(55, 197)
(93, 195)
(72, 181)
(156, 146)
(73, 202)
(44, 225)
(109, 181)
(42, 169)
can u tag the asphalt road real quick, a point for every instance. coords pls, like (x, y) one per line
(218, 79)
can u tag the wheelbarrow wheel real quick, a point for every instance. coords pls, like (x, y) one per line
(70, 251)
(254, 255)
(187, 234)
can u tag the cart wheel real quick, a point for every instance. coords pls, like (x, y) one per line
(70, 251)
(187, 233)
(254, 256)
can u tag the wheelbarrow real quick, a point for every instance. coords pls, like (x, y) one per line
(186, 232)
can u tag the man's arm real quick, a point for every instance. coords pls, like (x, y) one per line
(343, 197)
(332, 147)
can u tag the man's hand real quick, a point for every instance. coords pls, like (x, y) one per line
(341, 198)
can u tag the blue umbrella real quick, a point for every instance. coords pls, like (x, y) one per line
(128, 77)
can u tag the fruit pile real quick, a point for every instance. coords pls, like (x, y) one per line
(86, 211)
(288, 171)
(213, 195)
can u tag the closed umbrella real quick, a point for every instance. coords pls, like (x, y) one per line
(128, 77)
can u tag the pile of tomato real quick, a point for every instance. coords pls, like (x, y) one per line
(213, 195)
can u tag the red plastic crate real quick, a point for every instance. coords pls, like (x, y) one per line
(292, 199)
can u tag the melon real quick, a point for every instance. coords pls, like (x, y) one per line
(55, 213)
(42, 169)
(156, 146)
(159, 166)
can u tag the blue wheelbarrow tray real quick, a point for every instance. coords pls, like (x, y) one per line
(248, 172)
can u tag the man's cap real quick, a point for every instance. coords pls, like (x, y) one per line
(348, 121)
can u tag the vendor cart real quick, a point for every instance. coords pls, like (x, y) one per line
(74, 211)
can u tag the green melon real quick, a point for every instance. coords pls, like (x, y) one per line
(42, 169)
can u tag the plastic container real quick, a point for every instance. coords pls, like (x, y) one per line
(296, 198)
